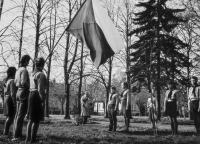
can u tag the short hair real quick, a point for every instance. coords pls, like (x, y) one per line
(125, 83)
(113, 88)
(39, 62)
(11, 71)
(24, 59)
(195, 78)
(172, 83)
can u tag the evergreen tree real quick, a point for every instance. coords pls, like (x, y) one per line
(156, 54)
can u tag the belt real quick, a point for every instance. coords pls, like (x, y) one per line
(170, 100)
(33, 89)
(194, 99)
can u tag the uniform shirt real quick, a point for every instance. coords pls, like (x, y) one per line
(151, 102)
(126, 95)
(10, 89)
(38, 82)
(193, 93)
(175, 95)
(22, 78)
(113, 100)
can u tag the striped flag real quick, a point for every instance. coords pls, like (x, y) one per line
(1, 7)
(95, 29)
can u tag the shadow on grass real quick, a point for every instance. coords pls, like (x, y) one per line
(76, 139)
(150, 132)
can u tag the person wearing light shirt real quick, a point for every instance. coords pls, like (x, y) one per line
(85, 107)
(193, 102)
(35, 112)
(126, 105)
(151, 108)
(112, 108)
(22, 83)
(171, 106)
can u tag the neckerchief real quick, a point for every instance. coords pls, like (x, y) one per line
(170, 94)
(123, 93)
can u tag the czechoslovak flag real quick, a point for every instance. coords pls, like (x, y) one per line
(94, 28)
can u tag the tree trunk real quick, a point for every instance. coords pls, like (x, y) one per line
(158, 59)
(37, 37)
(22, 31)
(66, 75)
(47, 97)
(80, 84)
(1, 7)
(108, 87)
(62, 108)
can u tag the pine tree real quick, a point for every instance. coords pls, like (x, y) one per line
(156, 54)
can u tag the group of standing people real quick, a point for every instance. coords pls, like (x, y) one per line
(112, 107)
(171, 106)
(24, 95)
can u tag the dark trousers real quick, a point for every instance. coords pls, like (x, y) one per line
(84, 119)
(112, 114)
(19, 118)
(195, 106)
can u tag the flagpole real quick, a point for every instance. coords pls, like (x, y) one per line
(64, 31)
(56, 44)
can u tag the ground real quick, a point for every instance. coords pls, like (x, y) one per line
(56, 130)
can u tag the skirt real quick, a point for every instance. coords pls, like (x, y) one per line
(35, 110)
(171, 109)
(126, 112)
(195, 106)
(9, 108)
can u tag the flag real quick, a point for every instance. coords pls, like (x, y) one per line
(95, 29)
(1, 7)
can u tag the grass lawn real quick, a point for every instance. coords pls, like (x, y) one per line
(56, 130)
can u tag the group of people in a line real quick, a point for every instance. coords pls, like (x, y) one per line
(24, 95)
(171, 106)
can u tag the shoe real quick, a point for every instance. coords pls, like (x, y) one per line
(114, 130)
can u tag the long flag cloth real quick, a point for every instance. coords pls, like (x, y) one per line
(94, 28)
